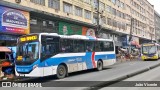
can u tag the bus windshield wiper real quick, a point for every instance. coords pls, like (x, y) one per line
(26, 51)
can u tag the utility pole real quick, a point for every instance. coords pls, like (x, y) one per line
(130, 35)
(131, 31)
(98, 18)
(151, 37)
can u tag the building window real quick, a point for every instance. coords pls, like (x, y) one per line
(122, 4)
(114, 1)
(95, 18)
(102, 6)
(114, 23)
(119, 25)
(95, 3)
(78, 11)
(118, 12)
(123, 26)
(108, 8)
(87, 1)
(67, 8)
(40, 2)
(113, 11)
(103, 20)
(87, 14)
(43, 25)
(54, 4)
(109, 22)
(118, 3)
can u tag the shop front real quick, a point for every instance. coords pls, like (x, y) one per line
(13, 23)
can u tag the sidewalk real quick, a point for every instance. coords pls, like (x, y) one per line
(124, 60)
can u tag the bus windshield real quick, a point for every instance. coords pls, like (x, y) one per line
(28, 52)
(149, 49)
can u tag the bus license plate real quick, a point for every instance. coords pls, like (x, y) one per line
(21, 74)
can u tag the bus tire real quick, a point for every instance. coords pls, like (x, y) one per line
(99, 65)
(61, 71)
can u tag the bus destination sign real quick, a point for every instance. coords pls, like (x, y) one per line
(28, 38)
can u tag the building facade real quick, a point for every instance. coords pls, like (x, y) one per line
(80, 17)
(157, 26)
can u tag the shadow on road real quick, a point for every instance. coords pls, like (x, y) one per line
(53, 77)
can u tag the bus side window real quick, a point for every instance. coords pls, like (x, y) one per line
(78, 46)
(97, 46)
(66, 45)
(89, 46)
(106, 46)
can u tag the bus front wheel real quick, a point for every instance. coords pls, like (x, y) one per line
(99, 65)
(61, 71)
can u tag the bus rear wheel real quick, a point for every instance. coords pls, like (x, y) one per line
(61, 71)
(99, 65)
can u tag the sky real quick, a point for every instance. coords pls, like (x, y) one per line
(156, 4)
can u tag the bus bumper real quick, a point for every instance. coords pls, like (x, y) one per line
(151, 58)
(37, 72)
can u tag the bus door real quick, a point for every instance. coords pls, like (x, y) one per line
(49, 48)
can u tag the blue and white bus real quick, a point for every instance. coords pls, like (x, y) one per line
(45, 54)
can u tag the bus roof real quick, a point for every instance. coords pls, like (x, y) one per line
(74, 36)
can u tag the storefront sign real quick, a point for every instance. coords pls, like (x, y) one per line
(14, 21)
(8, 37)
(71, 29)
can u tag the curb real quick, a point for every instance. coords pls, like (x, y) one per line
(107, 83)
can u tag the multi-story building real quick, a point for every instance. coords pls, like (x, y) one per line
(157, 26)
(80, 17)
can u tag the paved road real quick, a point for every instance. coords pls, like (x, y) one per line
(109, 73)
(152, 77)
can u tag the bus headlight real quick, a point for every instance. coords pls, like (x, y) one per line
(144, 57)
(155, 56)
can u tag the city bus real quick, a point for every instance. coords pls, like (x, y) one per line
(150, 51)
(46, 54)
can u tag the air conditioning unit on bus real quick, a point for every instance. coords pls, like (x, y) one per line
(17, 1)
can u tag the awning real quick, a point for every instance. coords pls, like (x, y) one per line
(4, 49)
(136, 44)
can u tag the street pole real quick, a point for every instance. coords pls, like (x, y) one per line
(130, 35)
(98, 26)
(151, 38)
